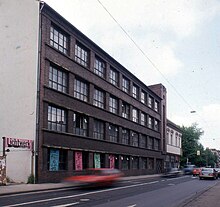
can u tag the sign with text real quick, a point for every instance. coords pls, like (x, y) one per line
(18, 143)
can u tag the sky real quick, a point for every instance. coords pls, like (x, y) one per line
(176, 43)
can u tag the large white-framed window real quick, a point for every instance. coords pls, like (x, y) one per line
(135, 115)
(98, 98)
(56, 119)
(57, 79)
(113, 77)
(99, 67)
(81, 90)
(59, 40)
(113, 105)
(81, 54)
(125, 85)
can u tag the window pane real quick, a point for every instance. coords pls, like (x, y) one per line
(57, 39)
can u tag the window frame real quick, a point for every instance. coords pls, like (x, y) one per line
(125, 110)
(82, 54)
(56, 118)
(99, 67)
(113, 133)
(125, 137)
(113, 105)
(134, 139)
(63, 160)
(135, 92)
(98, 98)
(58, 79)
(125, 85)
(82, 121)
(143, 97)
(81, 90)
(113, 77)
(143, 141)
(61, 43)
(135, 117)
(143, 119)
(98, 129)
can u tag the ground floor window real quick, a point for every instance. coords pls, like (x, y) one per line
(125, 162)
(151, 163)
(143, 163)
(99, 160)
(57, 159)
(135, 163)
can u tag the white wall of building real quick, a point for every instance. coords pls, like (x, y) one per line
(173, 150)
(19, 23)
(174, 141)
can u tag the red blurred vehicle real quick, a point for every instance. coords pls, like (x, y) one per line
(196, 171)
(95, 177)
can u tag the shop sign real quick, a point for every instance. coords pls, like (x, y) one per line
(18, 143)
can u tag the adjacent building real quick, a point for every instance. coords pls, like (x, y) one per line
(174, 147)
(67, 105)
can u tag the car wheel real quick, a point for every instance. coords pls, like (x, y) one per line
(200, 178)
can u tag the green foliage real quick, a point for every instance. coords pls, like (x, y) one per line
(31, 179)
(190, 145)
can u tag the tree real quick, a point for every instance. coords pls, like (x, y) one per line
(190, 145)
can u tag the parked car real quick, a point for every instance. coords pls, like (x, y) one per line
(95, 177)
(208, 173)
(218, 170)
(172, 172)
(196, 171)
(188, 169)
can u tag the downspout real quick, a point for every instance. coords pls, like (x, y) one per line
(38, 94)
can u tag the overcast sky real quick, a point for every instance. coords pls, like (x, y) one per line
(180, 38)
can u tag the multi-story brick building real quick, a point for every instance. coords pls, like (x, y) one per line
(88, 110)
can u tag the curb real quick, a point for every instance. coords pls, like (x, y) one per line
(195, 196)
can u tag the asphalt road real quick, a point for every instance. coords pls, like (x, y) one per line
(156, 192)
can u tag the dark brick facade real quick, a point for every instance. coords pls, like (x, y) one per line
(70, 142)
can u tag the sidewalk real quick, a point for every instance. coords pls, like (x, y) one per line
(207, 198)
(12, 188)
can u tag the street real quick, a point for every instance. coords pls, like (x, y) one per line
(158, 192)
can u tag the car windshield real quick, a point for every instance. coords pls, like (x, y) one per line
(207, 170)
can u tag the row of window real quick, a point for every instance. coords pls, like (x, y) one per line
(57, 121)
(61, 41)
(174, 139)
(57, 160)
(58, 80)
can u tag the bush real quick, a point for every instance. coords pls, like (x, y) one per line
(31, 179)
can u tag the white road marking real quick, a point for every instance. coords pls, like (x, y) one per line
(132, 205)
(82, 194)
(69, 204)
(38, 192)
(84, 199)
